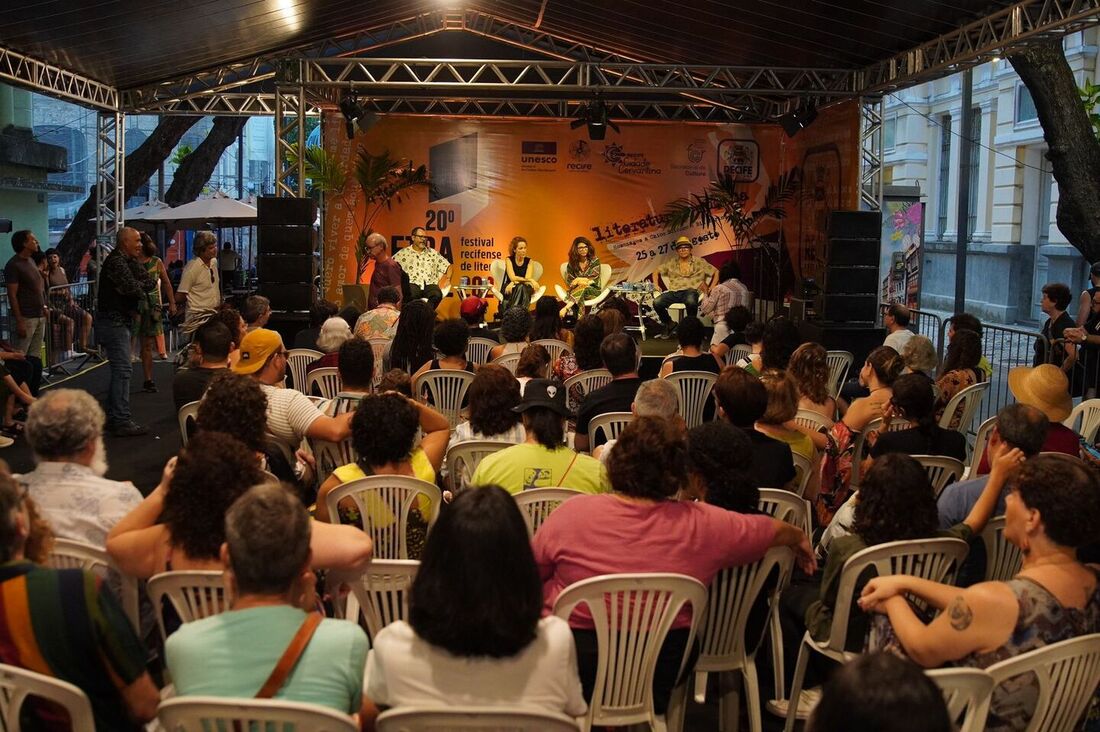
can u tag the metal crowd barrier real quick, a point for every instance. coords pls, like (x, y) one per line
(69, 335)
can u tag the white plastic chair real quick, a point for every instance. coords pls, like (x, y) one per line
(69, 554)
(804, 468)
(735, 354)
(632, 614)
(464, 457)
(496, 271)
(839, 362)
(384, 502)
(204, 713)
(812, 420)
(446, 389)
(1003, 559)
(942, 470)
(605, 286)
(981, 440)
(16, 684)
(610, 424)
(509, 361)
(584, 383)
(965, 404)
(296, 360)
(724, 647)
(473, 719)
(188, 419)
(554, 347)
(695, 388)
(331, 455)
(477, 349)
(537, 504)
(1085, 419)
(860, 446)
(931, 559)
(965, 690)
(325, 381)
(378, 346)
(1067, 675)
(194, 595)
(381, 592)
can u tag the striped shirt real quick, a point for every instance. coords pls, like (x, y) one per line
(289, 415)
(63, 624)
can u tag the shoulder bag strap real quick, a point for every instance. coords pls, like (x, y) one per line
(571, 463)
(290, 657)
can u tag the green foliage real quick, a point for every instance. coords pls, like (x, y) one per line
(1090, 98)
(726, 201)
(181, 152)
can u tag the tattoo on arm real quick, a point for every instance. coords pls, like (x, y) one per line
(960, 613)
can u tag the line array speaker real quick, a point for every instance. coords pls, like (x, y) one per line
(851, 274)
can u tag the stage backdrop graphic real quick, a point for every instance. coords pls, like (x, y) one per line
(540, 180)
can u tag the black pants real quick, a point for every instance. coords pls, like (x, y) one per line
(431, 292)
(26, 371)
(668, 664)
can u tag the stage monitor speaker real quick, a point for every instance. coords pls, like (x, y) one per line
(854, 225)
(284, 239)
(280, 211)
(851, 280)
(285, 268)
(288, 296)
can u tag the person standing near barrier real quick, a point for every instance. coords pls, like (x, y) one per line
(123, 284)
(63, 299)
(25, 298)
(199, 286)
(228, 262)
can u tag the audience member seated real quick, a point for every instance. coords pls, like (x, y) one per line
(779, 341)
(266, 556)
(65, 432)
(411, 346)
(882, 367)
(547, 322)
(1053, 507)
(913, 401)
(612, 318)
(588, 335)
(228, 316)
(655, 398)
(493, 397)
(334, 333)
(197, 489)
(727, 293)
(393, 450)
(777, 421)
(236, 405)
(809, 367)
(754, 339)
(356, 369)
(642, 528)
(737, 319)
(256, 311)
(959, 370)
(619, 354)
(381, 321)
(879, 692)
(534, 363)
(88, 643)
(690, 334)
(966, 321)
(291, 415)
(719, 460)
(542, 460)
(515, 326)
(211, 349)
(450, 338)
(895, 504)
(920, 357)
(896, 320)
(319, 312)
(1046, 388)
(395, 380)
(743, 399)
(497, 651)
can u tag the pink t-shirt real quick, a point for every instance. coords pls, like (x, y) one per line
(589, 536)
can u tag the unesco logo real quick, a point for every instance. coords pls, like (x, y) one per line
(536, 152)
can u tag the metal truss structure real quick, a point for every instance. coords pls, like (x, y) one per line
(871, 115)
(290, 132)
(40, 76)
(110, 155)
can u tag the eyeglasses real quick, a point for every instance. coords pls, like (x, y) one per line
(211, 275)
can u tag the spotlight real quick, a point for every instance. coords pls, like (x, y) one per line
(794, 122)
(356, 115)
(594, 115)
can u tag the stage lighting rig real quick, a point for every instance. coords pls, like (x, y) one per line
(594, 115)
(356, 115)
(796, 121)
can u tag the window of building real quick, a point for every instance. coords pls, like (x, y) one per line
(1025, 106)
(944, 176)
(889, 132)
(974, 165)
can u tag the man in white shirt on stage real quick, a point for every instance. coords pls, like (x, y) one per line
(425, 267)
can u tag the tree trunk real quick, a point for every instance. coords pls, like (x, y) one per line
(1074, 152)
(140, 166)
(195, 170)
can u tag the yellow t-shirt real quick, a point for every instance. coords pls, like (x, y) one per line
(523, 467)
(377, 512)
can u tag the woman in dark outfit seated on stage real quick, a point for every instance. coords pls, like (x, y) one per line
(518, 286)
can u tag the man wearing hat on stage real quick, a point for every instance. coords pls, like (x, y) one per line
(687, 278)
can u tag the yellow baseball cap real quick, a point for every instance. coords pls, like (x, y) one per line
(256, 348)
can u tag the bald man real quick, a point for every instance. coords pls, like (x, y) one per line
(387, 272)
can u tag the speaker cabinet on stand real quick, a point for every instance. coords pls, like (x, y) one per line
(285, 264)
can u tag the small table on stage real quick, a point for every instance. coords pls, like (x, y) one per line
(641, 294)
(465, 291)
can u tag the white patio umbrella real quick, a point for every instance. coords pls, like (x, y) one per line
(217, 211)
(138, 216)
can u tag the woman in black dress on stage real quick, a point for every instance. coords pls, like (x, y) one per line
(517, 287)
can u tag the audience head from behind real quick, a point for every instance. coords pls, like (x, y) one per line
(737, 318)
(235, 405)
(880, 692)
(515, 325)
(321, 311)
(719, 459)
(754, 332)
(1021, 426)
(231, 319)
(963, 352)
(587, 337)
(390, 446)
(547, 323)
(395, 380)
(1052, 500)
(356, 366)
(263, 356)
(266, 550)
(534, 362)
(619, 354)
(334, 333)
(493, 396)
(472, 311)
(920, 356)
(896, 502)
(411, 347)
(730, 270)
(211, 473)
(782, 397)
(544, 412)
(256, 311)
(213, 341)
(389, 295)
(350, 315)
(963, 321)
(690, 332)
(478, 557)
(612, 320)
(742, 398)
(896, 317)
(914, 399)
(780, 340)
(882, 367)
(658, 398)
(450, 338)
(66, 426)
(809, 367)
(650, 460)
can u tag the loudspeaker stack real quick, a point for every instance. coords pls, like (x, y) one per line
(851, 276)
(285, 264)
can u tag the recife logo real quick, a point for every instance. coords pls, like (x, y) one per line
(579, 151)
(739, 159)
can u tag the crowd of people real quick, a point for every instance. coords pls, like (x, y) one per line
(247, 495)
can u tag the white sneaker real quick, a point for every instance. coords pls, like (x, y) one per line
(807, 700)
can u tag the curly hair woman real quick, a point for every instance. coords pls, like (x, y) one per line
(515, 327)
(235, 404)
(493, 395)
(582, 274)
(534, 363)
(719, 459)
(450, 338)
(411, 346)
(640, 528)
(196, 490)
(959, 370)
(587, 337)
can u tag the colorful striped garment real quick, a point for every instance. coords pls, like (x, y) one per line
(68, 625)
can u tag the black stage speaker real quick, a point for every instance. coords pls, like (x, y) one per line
(274, 269)
(285, 241)
(278, 211)
(287, 324)
(851, 271)
(286, 297)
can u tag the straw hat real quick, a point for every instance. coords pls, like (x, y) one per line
(1044, 387)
